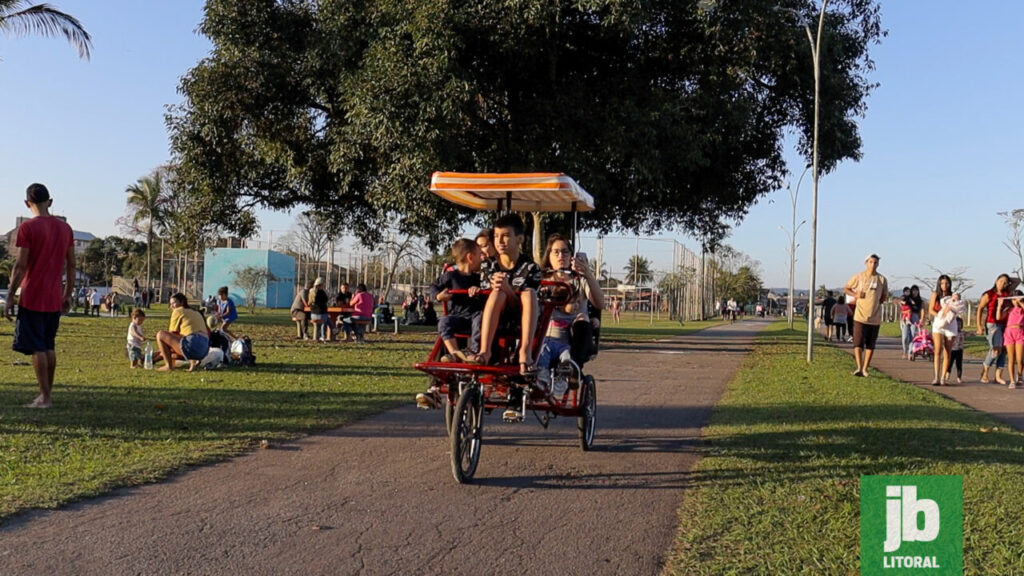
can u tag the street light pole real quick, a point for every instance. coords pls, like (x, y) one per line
(815, 54)
(791, 233)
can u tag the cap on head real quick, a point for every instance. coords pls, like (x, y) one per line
(37, 193)
(870, 256)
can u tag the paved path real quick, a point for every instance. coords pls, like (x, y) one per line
(1006, 405)
(378, 497)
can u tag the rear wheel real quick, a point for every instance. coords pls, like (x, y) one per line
(466, 433)
(586, 422)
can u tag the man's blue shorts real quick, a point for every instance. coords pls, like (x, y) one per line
(195, 346)
(35, 331)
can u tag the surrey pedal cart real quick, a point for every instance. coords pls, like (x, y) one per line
(469, 391)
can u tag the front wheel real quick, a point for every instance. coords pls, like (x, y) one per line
(466, 434)
(586, 422)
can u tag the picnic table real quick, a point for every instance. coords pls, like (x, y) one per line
(335, 312)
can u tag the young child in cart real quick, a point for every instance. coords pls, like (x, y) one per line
(464, 310)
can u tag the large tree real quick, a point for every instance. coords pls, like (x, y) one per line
(670, 112)
(112, 256)
(20, 19)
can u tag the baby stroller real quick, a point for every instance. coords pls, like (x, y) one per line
(921, 346)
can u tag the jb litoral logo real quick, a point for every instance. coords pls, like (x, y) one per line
(911, 525)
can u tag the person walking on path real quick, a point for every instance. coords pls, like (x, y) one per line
(912, 304)
(993, 328)
(1013, 337)
(826, 314)
(840, 313)
(944, 308)
(46, 253)
(956, 352)
(870, 289)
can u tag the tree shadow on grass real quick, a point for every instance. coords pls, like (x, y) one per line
(801, 442)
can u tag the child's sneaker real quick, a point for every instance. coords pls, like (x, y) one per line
(512, 416)
(429, 399)
(1013, 385)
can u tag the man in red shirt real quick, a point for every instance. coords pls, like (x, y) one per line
(46, 254)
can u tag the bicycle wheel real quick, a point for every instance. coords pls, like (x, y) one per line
(586, 422)
(466, 434)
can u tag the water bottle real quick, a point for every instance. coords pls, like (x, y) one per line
(149, 356)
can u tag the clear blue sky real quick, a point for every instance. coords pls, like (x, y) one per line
(941, 137)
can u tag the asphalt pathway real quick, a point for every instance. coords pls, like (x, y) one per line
(378, 497)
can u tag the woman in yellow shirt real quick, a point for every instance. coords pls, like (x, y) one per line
(186, 336)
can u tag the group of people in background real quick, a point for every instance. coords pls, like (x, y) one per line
(311, 307)
(999, 316)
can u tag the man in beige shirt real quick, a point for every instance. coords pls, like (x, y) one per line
(870, 289)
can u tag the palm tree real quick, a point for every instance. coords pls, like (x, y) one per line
(147, 197)
(18, 20)
(638, 271)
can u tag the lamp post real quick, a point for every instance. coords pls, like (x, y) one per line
(791, 234)
(815, 54)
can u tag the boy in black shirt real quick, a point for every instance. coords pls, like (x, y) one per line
(513, 279)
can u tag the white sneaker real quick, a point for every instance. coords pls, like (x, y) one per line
(511, 415)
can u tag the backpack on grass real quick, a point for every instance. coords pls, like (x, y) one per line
(241, 352)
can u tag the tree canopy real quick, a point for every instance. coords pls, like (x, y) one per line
(670, 112)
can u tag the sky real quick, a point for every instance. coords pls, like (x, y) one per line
(941, 141)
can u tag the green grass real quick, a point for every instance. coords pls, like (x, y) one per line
(112, 426)
(777, 491)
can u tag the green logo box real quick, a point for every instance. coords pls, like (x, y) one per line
(911, 525)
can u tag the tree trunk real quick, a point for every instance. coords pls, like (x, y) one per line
(538, 239)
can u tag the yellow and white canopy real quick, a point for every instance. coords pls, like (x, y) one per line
(530, 192)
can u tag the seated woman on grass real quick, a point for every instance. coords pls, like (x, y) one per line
(186, 338)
